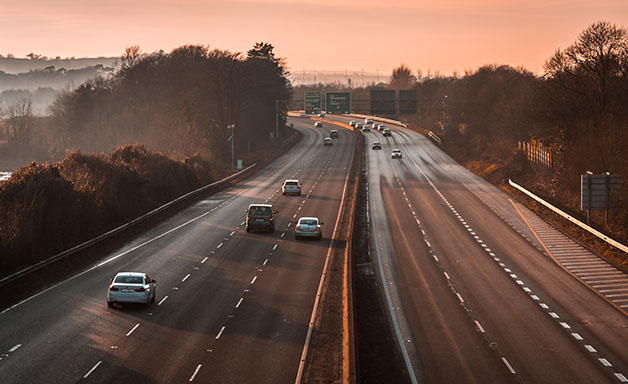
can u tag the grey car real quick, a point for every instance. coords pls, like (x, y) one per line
(131, 287)
(308, 227)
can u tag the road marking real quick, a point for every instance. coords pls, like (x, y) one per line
(605, 362)
(460, 298)
(275, 247)
(15, 348)
(544, 306)
(435, 258)
(220, 333)
(590, 348)
(446, 275)
(133, 329)
(265, 261)
(554, 315)
(219, 245)
(479, 326)
(162, 300)
(204, 260)
(239, 302)
(232, 233)
(195, 372)
(621, 378)
(576, 336)
(92, 370)
(565, 325)
(185, 278)
(508, 366)
(253, 281)
(283, 234)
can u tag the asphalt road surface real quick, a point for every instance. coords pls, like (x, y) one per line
(231, 306)
(471, 299)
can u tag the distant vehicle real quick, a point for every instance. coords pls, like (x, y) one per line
(321, 115)
(358, 125)
(377, 145)
(328, 141)
(308, 227)
(131, 287)
(387, 132)
(260, 216)
(352, 123)
(396, 154)
(318, 124)
(368, 121)
(381, 127)
(291, 186)
(366, 128)
(333, 134)
(376, 126)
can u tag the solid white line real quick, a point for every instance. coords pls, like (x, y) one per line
(220, 333)
(133, 329)
(162, 300)
(253, 281)
(508, 366)
(195, 372)
(15, 347)
(479, 326)
(92, 370)
(239, 302)
(204, 260)
(185, 278)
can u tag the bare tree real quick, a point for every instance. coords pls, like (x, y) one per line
(402, 77)
(131, 56)
(19, 123)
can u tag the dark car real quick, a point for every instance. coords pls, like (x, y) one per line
(333, 134)
(260, 216)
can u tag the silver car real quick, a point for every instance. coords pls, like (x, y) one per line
(396, 154)
(291, 187)
(131, 287)
(308, 227)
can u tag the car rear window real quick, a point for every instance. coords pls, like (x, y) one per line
(129, 280)
(260, 211)
(292, 183)
(309, 222)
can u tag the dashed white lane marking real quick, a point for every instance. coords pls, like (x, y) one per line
(253, 281)
(446, 275)
(239, 302)
(477, 323)
(92, 370)
(195, 372)
(577, 336)
(605, 362)
(232, 233)
(15, 348)
(283, 234)
(162, 300)
(508, 366)
(460, 298)
(204, 260)
(185, 278)
(219, 245)
(274, 247)
(133, 329)
(621, 377)
(590, 348)
(565, 325)
(242, 223)
(220, 333)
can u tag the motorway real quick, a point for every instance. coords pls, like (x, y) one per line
(471, 299)
(231, 306)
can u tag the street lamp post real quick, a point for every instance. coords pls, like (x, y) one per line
(232, 138)
(442, 120)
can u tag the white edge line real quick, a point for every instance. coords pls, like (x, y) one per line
(92, 370)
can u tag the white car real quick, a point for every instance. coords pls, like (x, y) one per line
(358, 125)
(368, 121)
(291, 187)
(352, 123)
(308, 227)
(318, 124)
(131, 287)
(333, 134)
(366, 128)
(328, 141)
(387, 132)
(396, 154)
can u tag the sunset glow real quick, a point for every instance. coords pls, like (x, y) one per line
(451, 35)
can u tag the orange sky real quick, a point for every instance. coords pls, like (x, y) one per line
(443, 35)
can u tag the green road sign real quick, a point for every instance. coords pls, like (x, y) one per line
(338, 103)
(313, 103)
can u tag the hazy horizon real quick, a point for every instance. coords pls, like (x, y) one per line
(445, 36)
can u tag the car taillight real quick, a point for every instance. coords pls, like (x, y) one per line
(140, 289)
(113, 289)
(318, 227)
(298, 227)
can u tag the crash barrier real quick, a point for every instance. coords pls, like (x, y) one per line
(123, 227)
(572, 219)
(397, 122)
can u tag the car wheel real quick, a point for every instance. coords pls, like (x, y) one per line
(283, 193)
(272, 230)
(296, 237)
(248, 229)
(109, 303)
(320, 238)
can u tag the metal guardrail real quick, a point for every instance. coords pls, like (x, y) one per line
(123, 227)
(572, 219)
(434, 137)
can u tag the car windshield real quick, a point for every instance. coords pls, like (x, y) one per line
(129, 280)
(260, 211)
(309, 222)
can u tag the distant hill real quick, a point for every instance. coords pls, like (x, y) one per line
(19, 65)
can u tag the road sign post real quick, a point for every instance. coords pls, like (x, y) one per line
(597, 192)
(338, 103)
